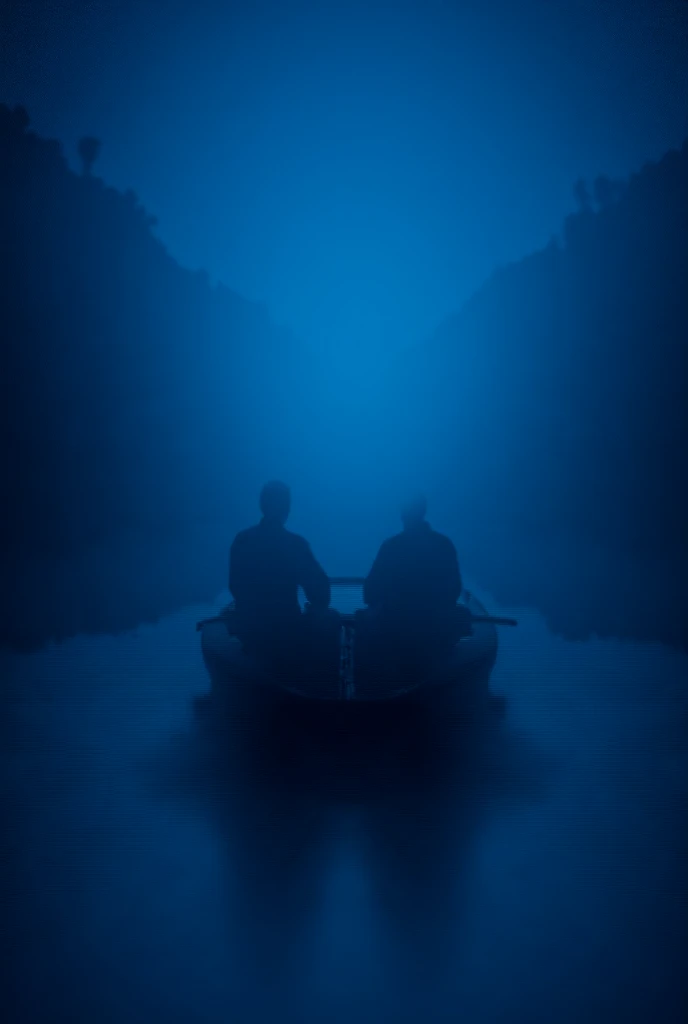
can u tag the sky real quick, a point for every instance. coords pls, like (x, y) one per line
(360, 168)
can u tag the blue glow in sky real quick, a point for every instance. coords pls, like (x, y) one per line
(358, 167)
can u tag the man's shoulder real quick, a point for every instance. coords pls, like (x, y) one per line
(393, 542)
(440, 538)
(442, 541)
(298, 542)
(245, 535)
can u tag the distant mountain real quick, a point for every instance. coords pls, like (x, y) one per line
(132, 394)
(559, 414)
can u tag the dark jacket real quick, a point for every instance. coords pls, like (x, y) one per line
(415, 571)
(267, 565)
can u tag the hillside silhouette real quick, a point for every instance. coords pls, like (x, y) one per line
(133, 392)
(143, 407)
(559, 422)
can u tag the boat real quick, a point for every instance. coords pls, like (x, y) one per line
(466, 670)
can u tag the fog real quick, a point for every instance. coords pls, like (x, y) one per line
(360, 167)
(144, 407)
(440, 249)
(157, 871)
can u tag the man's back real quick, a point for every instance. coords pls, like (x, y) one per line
(417, 570)
(267, 566)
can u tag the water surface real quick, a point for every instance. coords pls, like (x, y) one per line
(157, 871)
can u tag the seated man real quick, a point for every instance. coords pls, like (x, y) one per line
(267, 565)
(411, 592)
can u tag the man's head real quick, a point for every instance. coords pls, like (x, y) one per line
(275, 502)
(413, 510)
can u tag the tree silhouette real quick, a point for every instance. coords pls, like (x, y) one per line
(89, 148)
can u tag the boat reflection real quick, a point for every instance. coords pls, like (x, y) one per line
(366, 820)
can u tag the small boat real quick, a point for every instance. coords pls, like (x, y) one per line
(466, 669)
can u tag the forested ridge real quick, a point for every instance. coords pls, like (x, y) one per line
(142, 407)
(133, 394)
(559, 413)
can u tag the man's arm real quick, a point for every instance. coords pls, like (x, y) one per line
(454, 581)
(376, 581)
(313, 579)
(236, 574)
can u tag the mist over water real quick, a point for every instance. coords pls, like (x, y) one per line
(157, 869)
(445, 249)
(144, 407)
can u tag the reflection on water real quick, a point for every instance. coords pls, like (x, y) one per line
(161, 867)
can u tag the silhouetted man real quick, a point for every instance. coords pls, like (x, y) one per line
(267, 565)
(411, 591)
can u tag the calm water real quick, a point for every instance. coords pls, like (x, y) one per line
(157, 870)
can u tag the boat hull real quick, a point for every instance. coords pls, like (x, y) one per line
(466, 672)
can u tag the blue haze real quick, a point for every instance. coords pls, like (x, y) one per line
(351, 174)
(359, 167)
(157, 877)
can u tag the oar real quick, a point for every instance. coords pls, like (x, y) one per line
(492, 620)
(209, 622)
